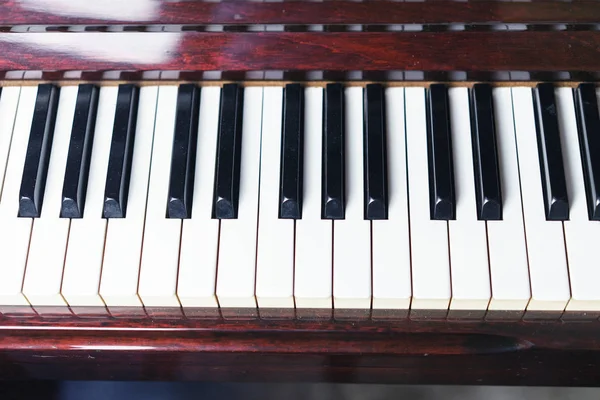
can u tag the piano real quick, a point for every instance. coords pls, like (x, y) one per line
(401, 192)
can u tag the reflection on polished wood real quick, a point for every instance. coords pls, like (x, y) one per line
(32, 12)
(571, 51)
(400, 351)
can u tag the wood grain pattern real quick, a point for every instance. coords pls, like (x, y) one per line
(13, 12)
(573, 51)
(402, 351)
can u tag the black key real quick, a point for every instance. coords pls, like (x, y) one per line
(375, 154)
(229, 153)
(439, 147)
(333, 184)
(554, 185)
(35, 169)
(121, 153)
(80, 152)
(588, 123)
(292, 149)
(183, 159)
(488, 192)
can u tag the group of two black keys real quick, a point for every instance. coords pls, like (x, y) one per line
(228, 152)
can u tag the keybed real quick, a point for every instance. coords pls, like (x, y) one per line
(404, 200)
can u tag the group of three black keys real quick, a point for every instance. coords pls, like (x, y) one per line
(229, 142)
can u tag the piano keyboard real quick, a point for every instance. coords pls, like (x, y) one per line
(375, 199)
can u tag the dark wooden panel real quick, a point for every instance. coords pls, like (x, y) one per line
(402, 351)
(299, 12)
(302, 51)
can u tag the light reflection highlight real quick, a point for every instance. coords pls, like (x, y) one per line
(149, 48)
(113, 348)
(122, 10)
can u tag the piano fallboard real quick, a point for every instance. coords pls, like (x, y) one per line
(336, 40)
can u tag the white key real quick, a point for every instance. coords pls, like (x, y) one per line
(545, 240)
(15, 232)
(275, 258)
(468, 242)
(581, 234)
(391, 241)
(121, 265)
(44, 272)
(429, 238)
(160, 251)
(352, 235)
(83, 263)
(237, 247)
(313, 272)
(8, 112)
(509, 270)
(200, 236)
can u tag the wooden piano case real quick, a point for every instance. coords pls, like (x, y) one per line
(396, 42)
(401, 351)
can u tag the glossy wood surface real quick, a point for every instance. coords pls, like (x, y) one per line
(402, 351)
(15, 12)
(572, 51)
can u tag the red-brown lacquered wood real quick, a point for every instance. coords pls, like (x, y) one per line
(302, 51)
(300, 12)
(403, 351)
